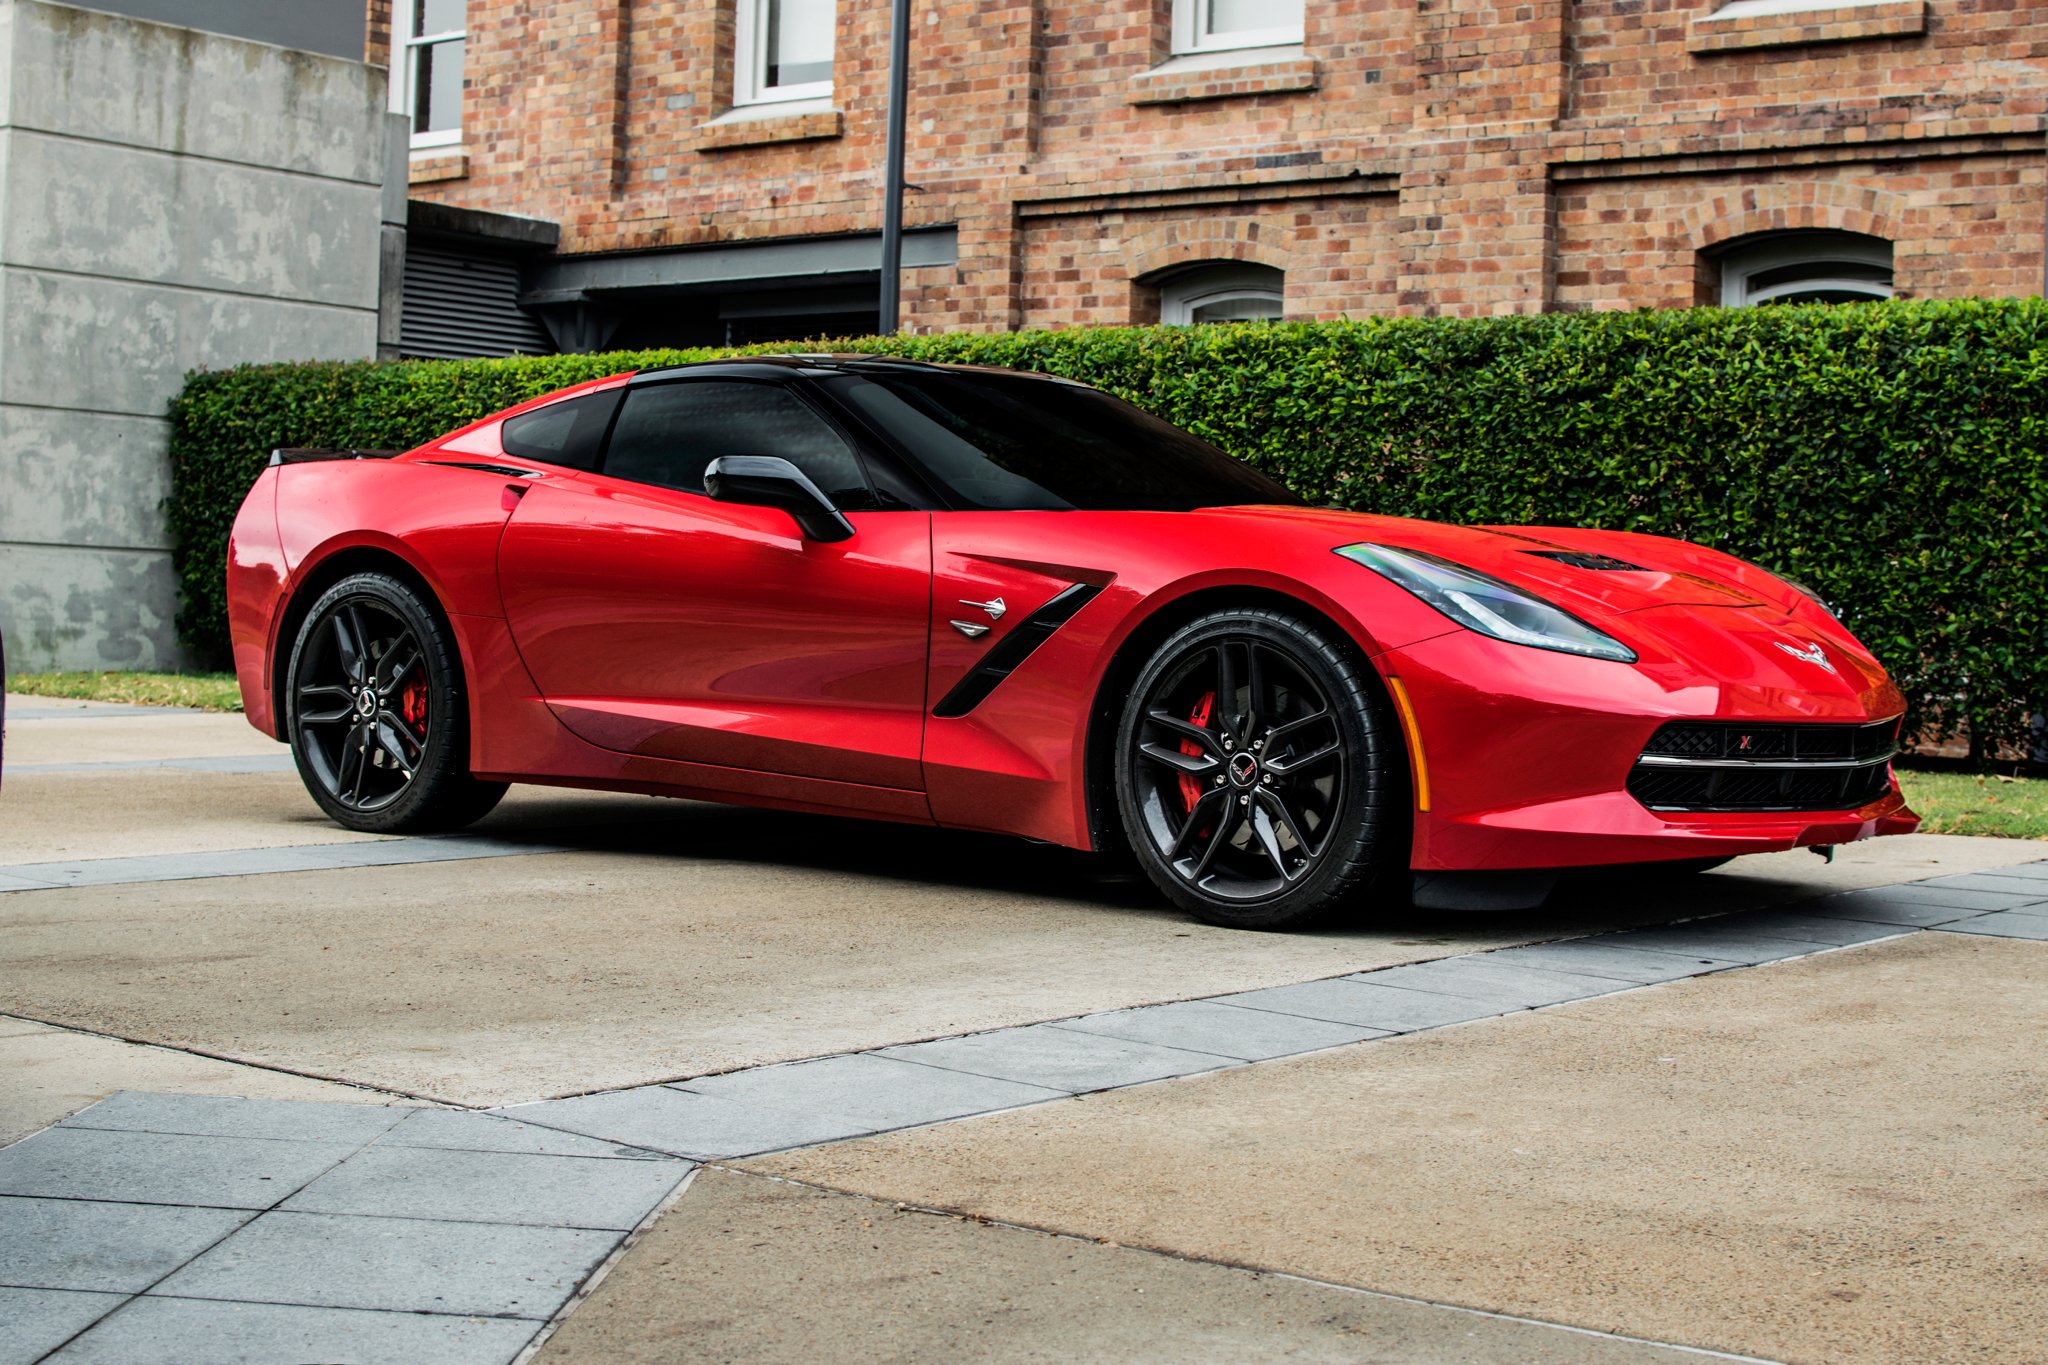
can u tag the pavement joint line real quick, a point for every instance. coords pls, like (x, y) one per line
(147, 869)
(1191, 1258)
(113, 711)
(425, 1101)
(605, 1267)
(240, 764)
(524, 1112)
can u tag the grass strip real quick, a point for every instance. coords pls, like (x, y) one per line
(205, 691)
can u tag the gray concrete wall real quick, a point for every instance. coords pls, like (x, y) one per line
(169, 200)
(334, 27)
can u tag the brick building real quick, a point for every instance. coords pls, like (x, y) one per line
(592, 173)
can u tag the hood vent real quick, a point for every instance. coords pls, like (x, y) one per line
(1585, 559)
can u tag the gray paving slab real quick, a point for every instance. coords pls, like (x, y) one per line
(1924, 893)
(165, 1331)
(104, 712)
(34, 1322)
(492, 1187)
(1203, 1026)
(876, 1091)
(2003, 924)
(228, 1116)
(1482, 976)
(1596, 957)
(407, 1265)
(110, 1248)
(162, 1168)
(1879, 907)
(680, 1123)
(458, 1130)
(1356, 1002)
(250, 862)
(1720, 941)
(217, 763)
(1059, 1059)
(2001, 881)
(13, 883)
(1809, 928)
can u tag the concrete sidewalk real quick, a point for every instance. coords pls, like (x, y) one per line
(1827, 1158)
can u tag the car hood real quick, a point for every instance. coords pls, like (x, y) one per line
(1595, 574)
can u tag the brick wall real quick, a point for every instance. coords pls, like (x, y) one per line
(1426, 156)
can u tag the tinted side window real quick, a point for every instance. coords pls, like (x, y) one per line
(566, 433)
(1016, 442)
(667, 433)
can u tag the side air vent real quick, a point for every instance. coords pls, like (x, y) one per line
(1585, 559)
(1013, 649)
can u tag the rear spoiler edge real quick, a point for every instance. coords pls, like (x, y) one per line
(312, 455)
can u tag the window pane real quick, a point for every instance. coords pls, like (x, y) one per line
(1245, 308)
(799, 45)
(667, 433)
(565, 433)
(1017, 443)
(436, 16)
(1226, 17)
(437, 87)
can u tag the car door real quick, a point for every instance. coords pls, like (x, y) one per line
(658, 621)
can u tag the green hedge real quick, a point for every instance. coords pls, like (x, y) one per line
(1894, 456)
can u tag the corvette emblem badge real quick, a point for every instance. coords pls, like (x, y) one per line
(1812, 654)
(994, 607)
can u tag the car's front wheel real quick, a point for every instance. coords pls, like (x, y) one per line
(1256, 775)
(378, 722)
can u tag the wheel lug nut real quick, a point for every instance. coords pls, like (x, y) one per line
(1219, 781)
(1244, 800)
(1267, 779)
(1228, 744)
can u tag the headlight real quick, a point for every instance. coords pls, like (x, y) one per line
(1488, 605)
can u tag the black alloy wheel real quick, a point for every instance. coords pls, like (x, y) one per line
(1254, 772)
(376, 716)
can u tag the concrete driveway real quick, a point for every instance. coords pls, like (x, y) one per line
(1812, 1133)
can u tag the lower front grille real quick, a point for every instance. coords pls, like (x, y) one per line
(1732, 766)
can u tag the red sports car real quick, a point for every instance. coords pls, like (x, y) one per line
(1000, 601)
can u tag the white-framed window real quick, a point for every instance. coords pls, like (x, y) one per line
(1224, 25)
(1222, 293)
(1806, 267)
(431, 36)
(782, 50)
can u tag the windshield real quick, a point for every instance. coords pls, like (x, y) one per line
(1002, 442)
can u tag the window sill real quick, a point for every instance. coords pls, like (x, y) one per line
(430, 164)
(1225, 75)
(760, 125)
(1749, 24)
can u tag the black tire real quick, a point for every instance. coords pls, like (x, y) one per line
(377, 714)
(1257, 776)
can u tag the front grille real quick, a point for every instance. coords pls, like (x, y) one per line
(1735, 766)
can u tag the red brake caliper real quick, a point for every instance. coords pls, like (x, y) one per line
(1190, 785)
(412, 702)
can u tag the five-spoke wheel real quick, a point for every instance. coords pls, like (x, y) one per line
(1251, 770)
(375, 720)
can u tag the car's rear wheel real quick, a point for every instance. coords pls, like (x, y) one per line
(377, 718)
(1256, 777)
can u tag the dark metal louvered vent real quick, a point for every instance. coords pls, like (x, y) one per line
(1739, 765)
(460, 304)
(1586, 559)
